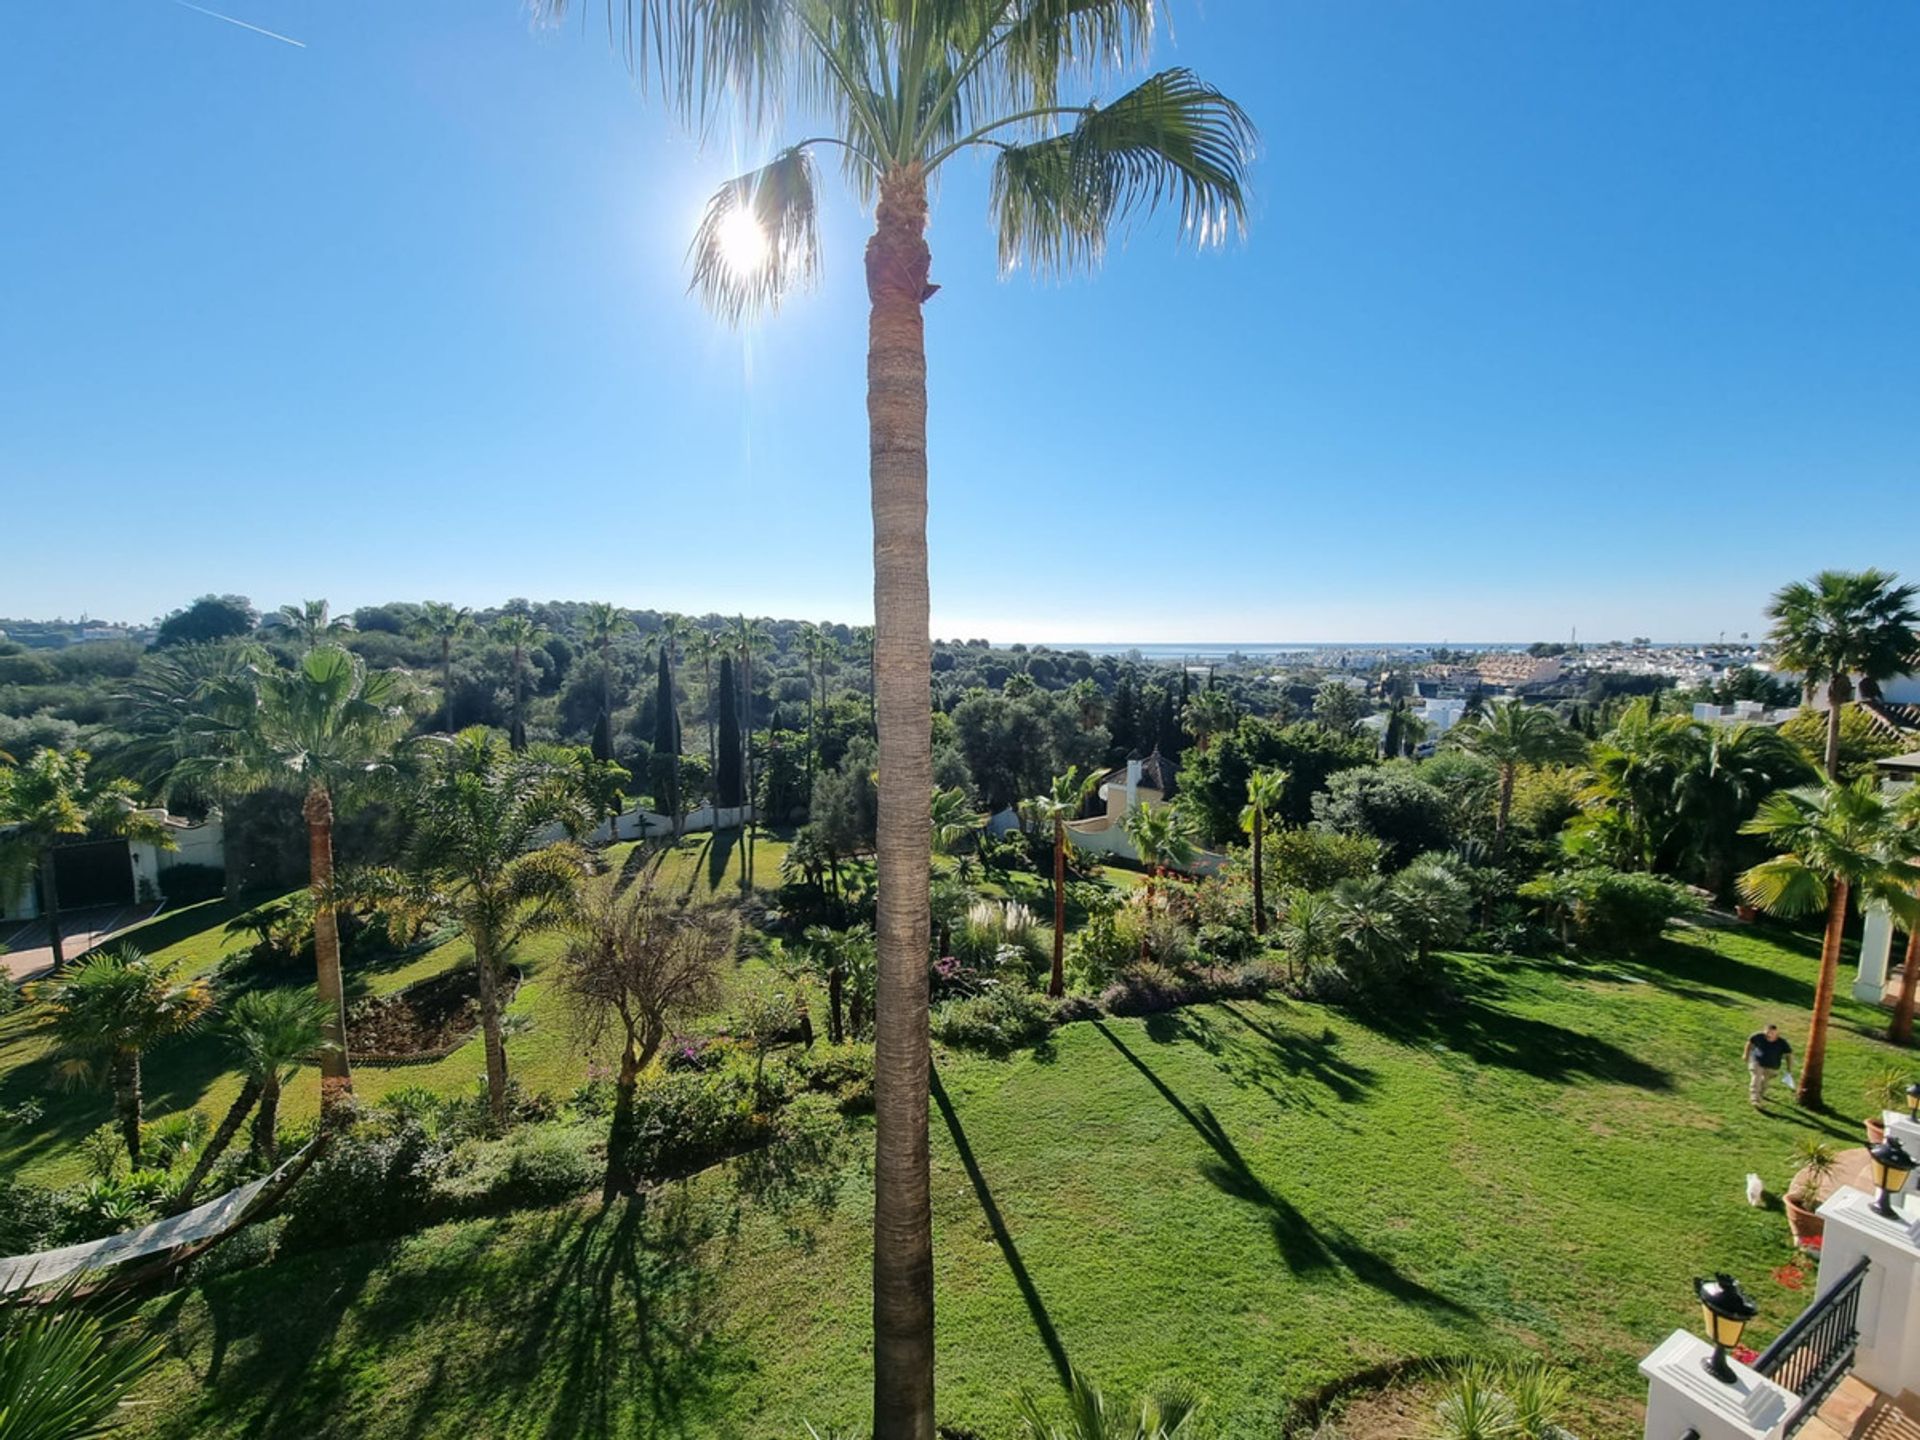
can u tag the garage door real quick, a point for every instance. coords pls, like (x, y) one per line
(97, 872)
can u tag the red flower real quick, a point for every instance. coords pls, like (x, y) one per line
(1791, 1276)
(1745, 1355)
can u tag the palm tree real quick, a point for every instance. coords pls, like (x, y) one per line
(1839, 625)
(1738, 767)
(1900, 1028)
(477, 812)
(329, 725)
(603, 623)
(1266, 789)
(705, 646)
(66, 1368)
(749, 638)
(270, 1033)
(1162, 837)
(1640, 769)
(1060, 804)
(954, 821)
(107, 1008)
(902, 91)
(1207, 714)
(311, 621)
(1309, 931)
(443, 624)
(1511, 735)
(519, 633)
(51, 799)
(1836, 842)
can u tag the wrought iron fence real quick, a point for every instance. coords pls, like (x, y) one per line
(1817, 1349)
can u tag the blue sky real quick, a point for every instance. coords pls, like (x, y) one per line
(1554, 313)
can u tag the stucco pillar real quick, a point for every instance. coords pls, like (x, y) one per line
(1681, 1396)
(1889, 1358)
(1876, 947)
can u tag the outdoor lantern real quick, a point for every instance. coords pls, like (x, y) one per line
(1891, 1167)
(1726, 1310)
(1913, 1101)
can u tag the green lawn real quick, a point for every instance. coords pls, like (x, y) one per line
(194, 1071)
(1263, 1198)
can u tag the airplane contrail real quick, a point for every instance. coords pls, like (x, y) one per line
(258, 30)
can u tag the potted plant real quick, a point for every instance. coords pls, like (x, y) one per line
(1886, 1091)
(1813, 1163)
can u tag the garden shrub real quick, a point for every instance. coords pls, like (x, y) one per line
(375, 1180)
(1609, 911)
(1102, 948)
(10, 997)
(1002, 1019)
(842, 1072)
(1227, 944)
(534, 1165)
(1318, 859)
(1144, 988)
(685, 1121)
(255, 1244)
(32, 1217)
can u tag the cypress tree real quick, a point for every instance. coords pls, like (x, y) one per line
(666, 743)
(727, 779)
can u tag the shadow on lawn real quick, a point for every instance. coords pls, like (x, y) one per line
(1029, 1292)
(600, 1326)
(1489, 1035)
(1304, 1246)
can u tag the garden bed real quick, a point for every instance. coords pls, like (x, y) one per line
(427, 1021)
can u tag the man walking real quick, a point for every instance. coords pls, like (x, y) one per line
(1767, 1050)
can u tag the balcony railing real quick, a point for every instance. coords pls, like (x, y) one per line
(1812, 1353)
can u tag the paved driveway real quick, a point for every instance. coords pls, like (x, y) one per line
(29, 954)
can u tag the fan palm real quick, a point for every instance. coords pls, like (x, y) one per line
(1639, 770)
(312, 621)
(1163, 838)
(1265, 791)
(444, 624)
(519, 633)
(66, 1368)
(330, 726)
(477, 812)
(270, 1033)
(1511, 735)
(1309, 931)
(901, 89)
(1840, 625)
(109, 1007)
(51, 799)
(1738, 767)
(1063, 802)
(1208, 714)
(1161, 1416)
(1836, 842)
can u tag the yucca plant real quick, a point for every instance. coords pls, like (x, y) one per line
(1475, 1406)
(1160, 1416)
(65, 1368)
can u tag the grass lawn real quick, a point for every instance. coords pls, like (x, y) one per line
(194, 1071)
(1262, 1198)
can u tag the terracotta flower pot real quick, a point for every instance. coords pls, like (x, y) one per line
(1745, 914)
(1876, 1132)
(1804, 1224)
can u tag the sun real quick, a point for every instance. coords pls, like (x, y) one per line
(743, 244)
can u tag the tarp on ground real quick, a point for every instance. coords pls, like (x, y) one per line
(200, 1223)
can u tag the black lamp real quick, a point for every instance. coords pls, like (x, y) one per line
(1891, 1167)
(1913, 1101)
(1726, 1310)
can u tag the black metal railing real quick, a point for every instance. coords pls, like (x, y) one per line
(1817, 1349)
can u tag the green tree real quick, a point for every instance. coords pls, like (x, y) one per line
(519, 633)
(270, 1032)
(601, 624)
(52, 799)
(1511, 735)
(1841, 626)
(210, 618)
(109, 1007)
(1266, 790)
(705, 646)
(1738, 766)
(1209, 713)
(478, 811)
(312, 621)
(1338, 707)
(903, 90)
(1063, 801)
(1836, 842)
(750, 638)
(728, 781)
(666, 741)
(444, 624)
(1162, 837)
(330, 726)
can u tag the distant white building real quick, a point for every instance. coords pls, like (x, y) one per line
(119, 872)
(1743, 712)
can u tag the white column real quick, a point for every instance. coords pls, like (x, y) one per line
(1889, 1358)
(1681, 1396)
(1876, 946)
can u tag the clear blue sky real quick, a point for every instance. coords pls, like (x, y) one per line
(1594, 312)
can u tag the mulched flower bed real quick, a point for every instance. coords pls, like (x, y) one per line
(431, 1018)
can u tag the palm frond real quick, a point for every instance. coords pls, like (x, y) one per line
(1784, 886)
(759, 238)
(1173, 140)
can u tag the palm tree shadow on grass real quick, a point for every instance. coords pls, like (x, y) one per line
(719, 853)
(1304, 1247)
(1490, 1035)
(1036, 1307)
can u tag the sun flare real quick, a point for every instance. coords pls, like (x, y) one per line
(743, 244)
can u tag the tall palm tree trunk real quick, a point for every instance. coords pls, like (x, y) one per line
(1834, 706)
(1057, 981)
(216, 1146)
(50, 902)
(1259, 878)
(266, 1120)
(1900, 1031)
(446, 685)
(496, 1048)
(336, 1074)
(1813, 1064)
(126, 1094)
(1507, 776)
(897, 265)
(517, 736)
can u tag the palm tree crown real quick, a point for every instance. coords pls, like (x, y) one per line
(1839, 625)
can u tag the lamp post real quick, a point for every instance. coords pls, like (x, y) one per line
(1726, 1310)
(1913, 1102)
(1891, 1167)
